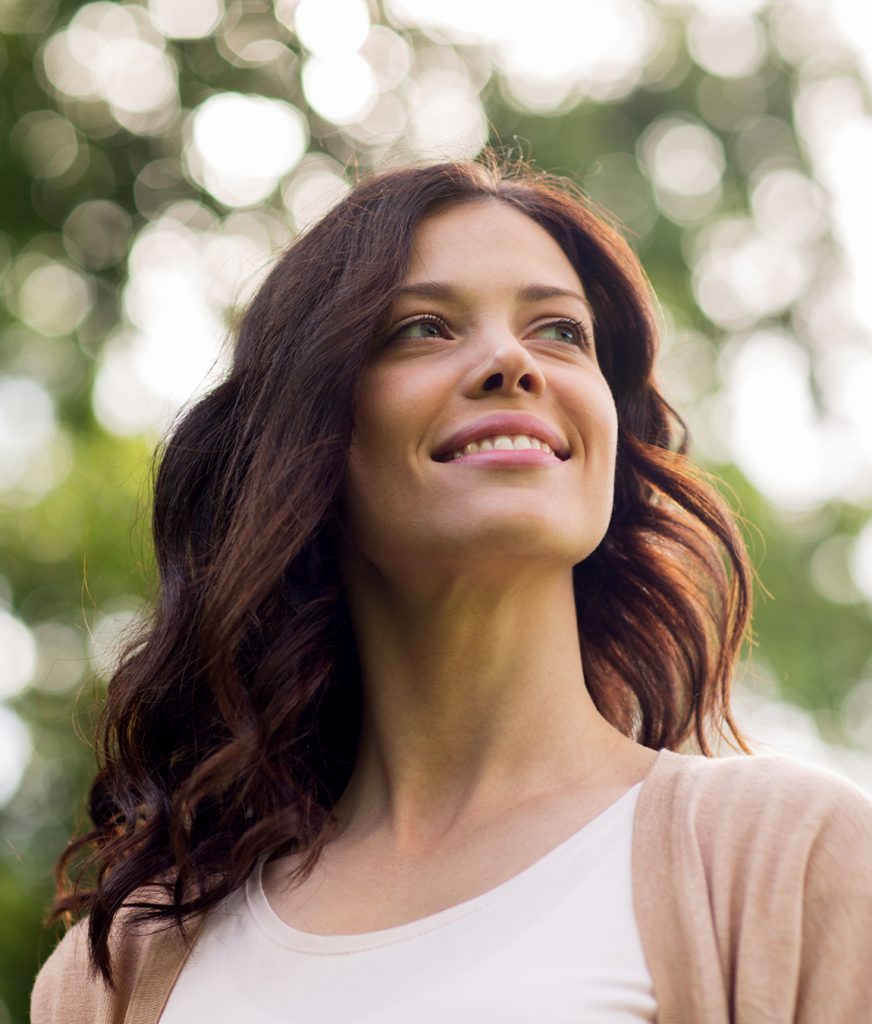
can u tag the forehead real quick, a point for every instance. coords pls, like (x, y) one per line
(488, 241)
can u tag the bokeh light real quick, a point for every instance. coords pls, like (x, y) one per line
(794, 455)
(331, 28)
(48, 142)
(114, 53)
(19, 655)
(741, 274)
(728, 45)
(61, 657)
(446, 120)
(776, 727)
(186, 269)
(341, 88)
(685, 162)
(786, 204)
(861, 560)
(112, 631)
(313, 190)
(14, 753)
(540, 52)
(50, 296)
(28, 428)
(241, 145)
(830, 570)
(856, 713)
(148, 371)
(191, 19)
(389, 56)
(97, 233)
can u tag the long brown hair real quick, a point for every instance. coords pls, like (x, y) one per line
(231, 725)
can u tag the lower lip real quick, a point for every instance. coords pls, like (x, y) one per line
(503, 457)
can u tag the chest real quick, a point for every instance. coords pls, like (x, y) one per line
(365, 886)
(557, 943)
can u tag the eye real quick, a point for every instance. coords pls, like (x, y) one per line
(571, 332)
(423, 327)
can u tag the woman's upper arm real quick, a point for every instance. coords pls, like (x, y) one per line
(835, 981)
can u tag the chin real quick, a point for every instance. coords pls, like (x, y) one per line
(514, 538)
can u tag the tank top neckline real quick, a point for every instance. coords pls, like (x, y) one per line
(310, 942)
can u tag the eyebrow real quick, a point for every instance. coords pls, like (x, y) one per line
(528, 293)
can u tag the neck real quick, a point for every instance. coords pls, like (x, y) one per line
(474, 701)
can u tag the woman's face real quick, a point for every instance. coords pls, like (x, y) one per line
(485, 429)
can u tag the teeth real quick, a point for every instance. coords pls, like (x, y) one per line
(504, 442)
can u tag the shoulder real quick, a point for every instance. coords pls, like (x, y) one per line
(759, 808)
(146, 958)
(765, 864)
(66, 988)
(749, 788)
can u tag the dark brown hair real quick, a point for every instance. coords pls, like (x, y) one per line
(230, 727)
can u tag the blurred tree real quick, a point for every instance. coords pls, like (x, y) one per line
(153, 159)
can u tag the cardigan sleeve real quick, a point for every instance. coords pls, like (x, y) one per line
(784, 853)
(66, 990)
(835, 978)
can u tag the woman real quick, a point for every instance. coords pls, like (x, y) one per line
(441, 597)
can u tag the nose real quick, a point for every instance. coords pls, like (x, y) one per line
(508, 368)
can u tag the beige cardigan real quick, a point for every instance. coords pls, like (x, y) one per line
(752, 887)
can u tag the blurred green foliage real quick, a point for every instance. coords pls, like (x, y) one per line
(75, 551)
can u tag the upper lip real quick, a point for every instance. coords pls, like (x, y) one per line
(501, 423)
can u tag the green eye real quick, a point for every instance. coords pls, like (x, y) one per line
(571, 332)
(423, 327)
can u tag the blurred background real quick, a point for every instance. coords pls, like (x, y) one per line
(154, 158)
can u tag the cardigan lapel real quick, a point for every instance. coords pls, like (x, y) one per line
(671, 899)
(160, 964)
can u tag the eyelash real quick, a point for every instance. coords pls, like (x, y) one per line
(426, 318)
(585, 339)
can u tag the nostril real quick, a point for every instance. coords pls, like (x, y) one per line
(526, 382)
(494, 382)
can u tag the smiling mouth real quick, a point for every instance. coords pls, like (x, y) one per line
(502, 443)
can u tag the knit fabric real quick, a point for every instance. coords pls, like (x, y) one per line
(752, 886)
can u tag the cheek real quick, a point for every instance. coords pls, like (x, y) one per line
(384, 416)
(364, 501)
(377, 471)
(606, 415)
(597, 420)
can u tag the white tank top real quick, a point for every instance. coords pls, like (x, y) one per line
(555, 944)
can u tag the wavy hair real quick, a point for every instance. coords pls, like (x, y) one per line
(230, 727)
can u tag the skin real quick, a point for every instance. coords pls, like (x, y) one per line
(481, 748)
